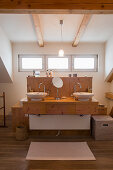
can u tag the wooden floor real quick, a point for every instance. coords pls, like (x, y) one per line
(13, 153)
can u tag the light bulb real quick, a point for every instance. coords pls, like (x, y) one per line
(61, 53)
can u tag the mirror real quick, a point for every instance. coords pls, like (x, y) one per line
(58, 83)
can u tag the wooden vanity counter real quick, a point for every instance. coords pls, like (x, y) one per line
(64, 106)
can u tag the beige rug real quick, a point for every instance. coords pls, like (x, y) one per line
(59, 151)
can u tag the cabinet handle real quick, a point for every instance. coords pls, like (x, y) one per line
(105, 125)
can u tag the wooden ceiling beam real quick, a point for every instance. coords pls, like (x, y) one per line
(36, 21)
(81, 29)
(53, 6)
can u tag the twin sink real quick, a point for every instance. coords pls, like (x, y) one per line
(82, 96)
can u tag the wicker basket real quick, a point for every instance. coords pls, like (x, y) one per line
(21, 133)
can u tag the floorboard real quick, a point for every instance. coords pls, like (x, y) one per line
(13, 153)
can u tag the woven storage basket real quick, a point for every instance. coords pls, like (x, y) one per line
(21, 133)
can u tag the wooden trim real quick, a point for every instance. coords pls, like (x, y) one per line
(109, 95)
(109, 78)
(82, 29)
(36, 21)
(59, 6)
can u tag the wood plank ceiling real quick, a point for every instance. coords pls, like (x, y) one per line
(62, 6)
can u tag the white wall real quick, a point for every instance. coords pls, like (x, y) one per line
(6, 52)
(17, 89)
(109, 64)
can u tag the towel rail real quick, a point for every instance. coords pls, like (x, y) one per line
(3, 107)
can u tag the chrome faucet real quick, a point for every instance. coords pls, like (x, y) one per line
(43, 85)
(75, 86)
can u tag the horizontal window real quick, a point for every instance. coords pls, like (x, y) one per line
(58, 63)
(85, 63)
(27, 62)
(30, 62)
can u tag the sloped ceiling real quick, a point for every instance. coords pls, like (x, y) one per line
(4, 76)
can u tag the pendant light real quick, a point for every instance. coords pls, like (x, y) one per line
(61, 51)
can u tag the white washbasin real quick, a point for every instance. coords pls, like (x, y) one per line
(36, 95)
(83, 96)
(25, 100)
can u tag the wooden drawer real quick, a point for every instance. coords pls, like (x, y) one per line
(34, 108)
(60, 109)
(86, 108)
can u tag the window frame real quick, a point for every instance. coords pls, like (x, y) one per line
(70, 62)
(20, 56)
(56, 56)
(95, 56)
